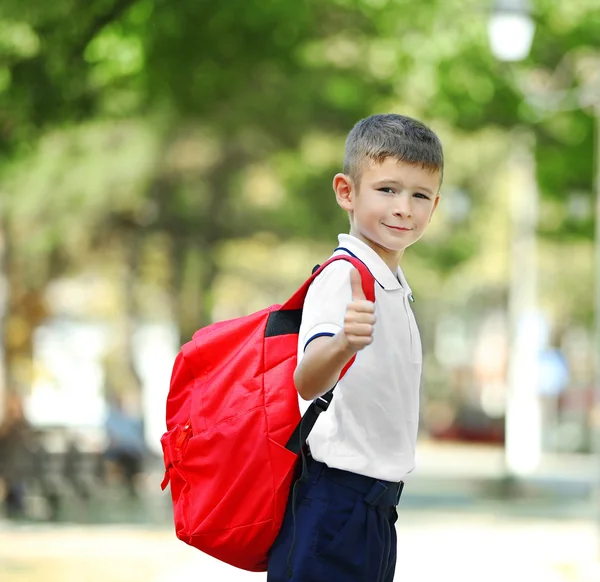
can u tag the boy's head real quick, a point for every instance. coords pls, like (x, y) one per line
(390, 186)
(378, 137)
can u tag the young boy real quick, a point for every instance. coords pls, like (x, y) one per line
(341, 528)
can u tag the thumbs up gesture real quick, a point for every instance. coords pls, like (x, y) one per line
(359, 321)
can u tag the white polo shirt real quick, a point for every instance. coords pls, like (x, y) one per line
(371, 425)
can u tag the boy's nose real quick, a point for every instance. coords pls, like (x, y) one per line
(402, 208)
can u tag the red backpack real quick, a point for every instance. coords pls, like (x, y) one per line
(234, 430)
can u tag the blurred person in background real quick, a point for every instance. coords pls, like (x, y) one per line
(44, 476)
(73, 469)
(126, 446)
(14, 454)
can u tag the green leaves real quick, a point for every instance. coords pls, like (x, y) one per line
(18, 40)
(245, 108)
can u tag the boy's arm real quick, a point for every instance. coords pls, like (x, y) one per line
(325, 357)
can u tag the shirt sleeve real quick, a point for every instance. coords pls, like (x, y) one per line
(325, 304)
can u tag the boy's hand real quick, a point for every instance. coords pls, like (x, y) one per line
(360, 316)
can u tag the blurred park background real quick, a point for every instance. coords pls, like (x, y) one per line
(167, 164)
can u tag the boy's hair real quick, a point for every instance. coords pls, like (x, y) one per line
(382, 136)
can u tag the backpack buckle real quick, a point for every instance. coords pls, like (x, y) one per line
(322, 402)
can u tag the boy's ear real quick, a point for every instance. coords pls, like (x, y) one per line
(435, 205)
(343, 188)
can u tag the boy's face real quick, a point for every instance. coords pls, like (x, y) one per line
(391, 207)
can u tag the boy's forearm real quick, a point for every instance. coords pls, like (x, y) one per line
(321, 365)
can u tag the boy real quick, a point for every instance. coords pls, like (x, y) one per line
(341, 528)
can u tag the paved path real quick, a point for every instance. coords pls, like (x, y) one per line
(452, 528)
(454, 546)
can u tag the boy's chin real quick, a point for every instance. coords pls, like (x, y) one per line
(386, 246)
(390, 248)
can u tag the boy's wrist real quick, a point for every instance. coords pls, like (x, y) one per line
(343, 346)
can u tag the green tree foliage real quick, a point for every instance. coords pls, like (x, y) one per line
(246, 106)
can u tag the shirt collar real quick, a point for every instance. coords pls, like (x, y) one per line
(382, 273)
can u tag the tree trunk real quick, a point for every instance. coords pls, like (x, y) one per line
(4, 299)
(130, 315)
(26, 310)
(194, 273)
(122, 377)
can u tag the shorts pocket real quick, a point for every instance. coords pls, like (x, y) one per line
(340, 526)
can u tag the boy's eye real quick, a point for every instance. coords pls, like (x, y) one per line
(387, 190)
(420, 195)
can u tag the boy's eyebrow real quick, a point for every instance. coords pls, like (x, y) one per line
(397, 183)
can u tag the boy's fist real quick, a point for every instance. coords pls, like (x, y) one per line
(360, 316)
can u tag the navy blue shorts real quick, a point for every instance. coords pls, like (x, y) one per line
(344, 530)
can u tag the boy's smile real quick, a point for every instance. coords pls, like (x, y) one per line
(391, 206)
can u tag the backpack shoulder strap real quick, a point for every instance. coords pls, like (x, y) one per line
(301, 432)
(296, 301)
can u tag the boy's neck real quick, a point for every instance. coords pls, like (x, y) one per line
(390, 258)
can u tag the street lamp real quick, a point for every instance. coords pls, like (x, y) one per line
(510, 30)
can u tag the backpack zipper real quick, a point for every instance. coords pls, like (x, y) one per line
(185, 434)
(181, 440)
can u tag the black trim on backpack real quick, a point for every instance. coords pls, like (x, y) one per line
(300, 434)
(283, 322)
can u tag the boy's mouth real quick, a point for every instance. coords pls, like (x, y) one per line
(399, 228)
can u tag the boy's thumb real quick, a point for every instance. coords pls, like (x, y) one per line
(356, 282)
